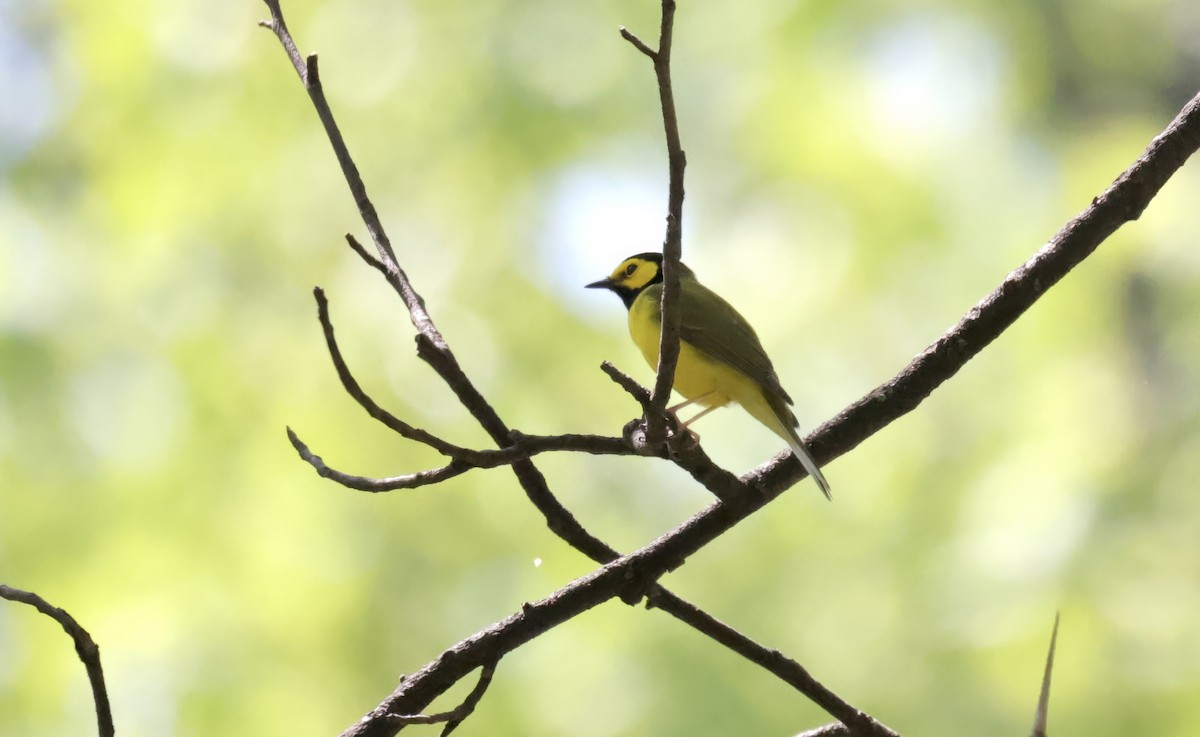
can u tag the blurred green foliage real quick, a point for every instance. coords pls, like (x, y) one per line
(860, 174)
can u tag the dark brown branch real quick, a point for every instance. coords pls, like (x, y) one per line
(1043, 705)
(85, 648)
(523, 446)
(786, 669)
(365, 483)
(364, 400)
(455, 716)
(668, 347)
(628, 383)
(365, 255)
(526, 447)
(638, 43)
(309, 75)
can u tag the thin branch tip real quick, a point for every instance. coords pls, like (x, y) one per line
(366, 256)
(1041, 715)
(639, 44)
(313, 76)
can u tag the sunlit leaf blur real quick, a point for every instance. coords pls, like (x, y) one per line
(859, 175)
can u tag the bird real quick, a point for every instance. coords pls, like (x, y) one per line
(720, 357)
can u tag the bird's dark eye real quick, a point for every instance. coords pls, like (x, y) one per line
(630, 269)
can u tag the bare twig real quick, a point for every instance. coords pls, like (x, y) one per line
(365, 255)
(354, 390)
(628, 383)
(1043, 705)
(85, 647)
(668, 347)
(526, 447)
(309, 75)
(364, 483)
(522, 446)
(455, 716)
(638, 43)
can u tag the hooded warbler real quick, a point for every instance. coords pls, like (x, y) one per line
(720, 357)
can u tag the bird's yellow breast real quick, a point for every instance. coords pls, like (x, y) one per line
(698, 377)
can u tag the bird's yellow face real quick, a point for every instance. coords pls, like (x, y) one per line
(632, 276)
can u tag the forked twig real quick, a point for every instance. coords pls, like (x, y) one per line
(455, 716)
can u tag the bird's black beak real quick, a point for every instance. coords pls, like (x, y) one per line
(602, 284)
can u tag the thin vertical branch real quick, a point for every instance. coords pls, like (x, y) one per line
(668, 347)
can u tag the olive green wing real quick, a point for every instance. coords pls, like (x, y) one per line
(712, 326)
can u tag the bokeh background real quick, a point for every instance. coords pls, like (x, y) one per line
(860, 174)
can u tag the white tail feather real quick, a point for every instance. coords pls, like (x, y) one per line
(806, 460)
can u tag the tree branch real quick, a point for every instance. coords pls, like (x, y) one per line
(526, 447)
(85, 648)
(668, 346)
(364, 483)
(455, 716)
(353, 388)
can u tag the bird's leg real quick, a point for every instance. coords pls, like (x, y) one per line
(688, 425)
(703, 412)
(685, 425)
(674, 410)
(685, 403)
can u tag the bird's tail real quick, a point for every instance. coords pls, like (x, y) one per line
(800, 450)
(781, 421)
